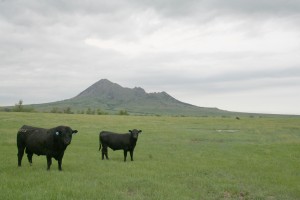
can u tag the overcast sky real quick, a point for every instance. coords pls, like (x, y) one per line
(235, 55)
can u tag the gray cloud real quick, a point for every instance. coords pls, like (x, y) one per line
(187, 48)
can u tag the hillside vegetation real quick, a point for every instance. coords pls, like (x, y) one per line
(111, 98)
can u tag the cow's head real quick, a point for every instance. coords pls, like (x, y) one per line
(64, 133)
(135, 133)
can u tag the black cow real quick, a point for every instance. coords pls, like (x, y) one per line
(49, 142)
(117, 141)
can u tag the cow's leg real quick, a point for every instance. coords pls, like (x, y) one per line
(20, 155)
(125, 155)
(29, 156)
(49, 162)
(131, 155)
(104, 152)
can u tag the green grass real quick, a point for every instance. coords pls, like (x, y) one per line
(175, 158)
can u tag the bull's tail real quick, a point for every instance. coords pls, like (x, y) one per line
(99, 146)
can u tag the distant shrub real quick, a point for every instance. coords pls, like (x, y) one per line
(100, 112)
(54, 110)
(68, 110)
(123, 112)
(89, 111)
(80, 111)
(6, 109)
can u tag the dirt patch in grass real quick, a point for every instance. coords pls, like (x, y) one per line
(227, 130)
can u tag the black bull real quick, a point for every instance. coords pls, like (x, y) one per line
(115, 141)
(49, 142)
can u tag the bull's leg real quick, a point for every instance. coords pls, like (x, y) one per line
(59, 164)
(20, 155)
(103, 153)
(131, 155)
(125, 155)
(29, 156)
(49, 162)
(106, 154)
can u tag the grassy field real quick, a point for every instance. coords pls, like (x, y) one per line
(175, 158)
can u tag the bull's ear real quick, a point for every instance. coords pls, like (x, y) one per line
(57, 133)
(74, 131)
(130, 131)
(140, 131)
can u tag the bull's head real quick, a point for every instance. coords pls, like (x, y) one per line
(65, 134)
(135, 133)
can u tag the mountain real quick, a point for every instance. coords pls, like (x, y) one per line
(111, 98)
